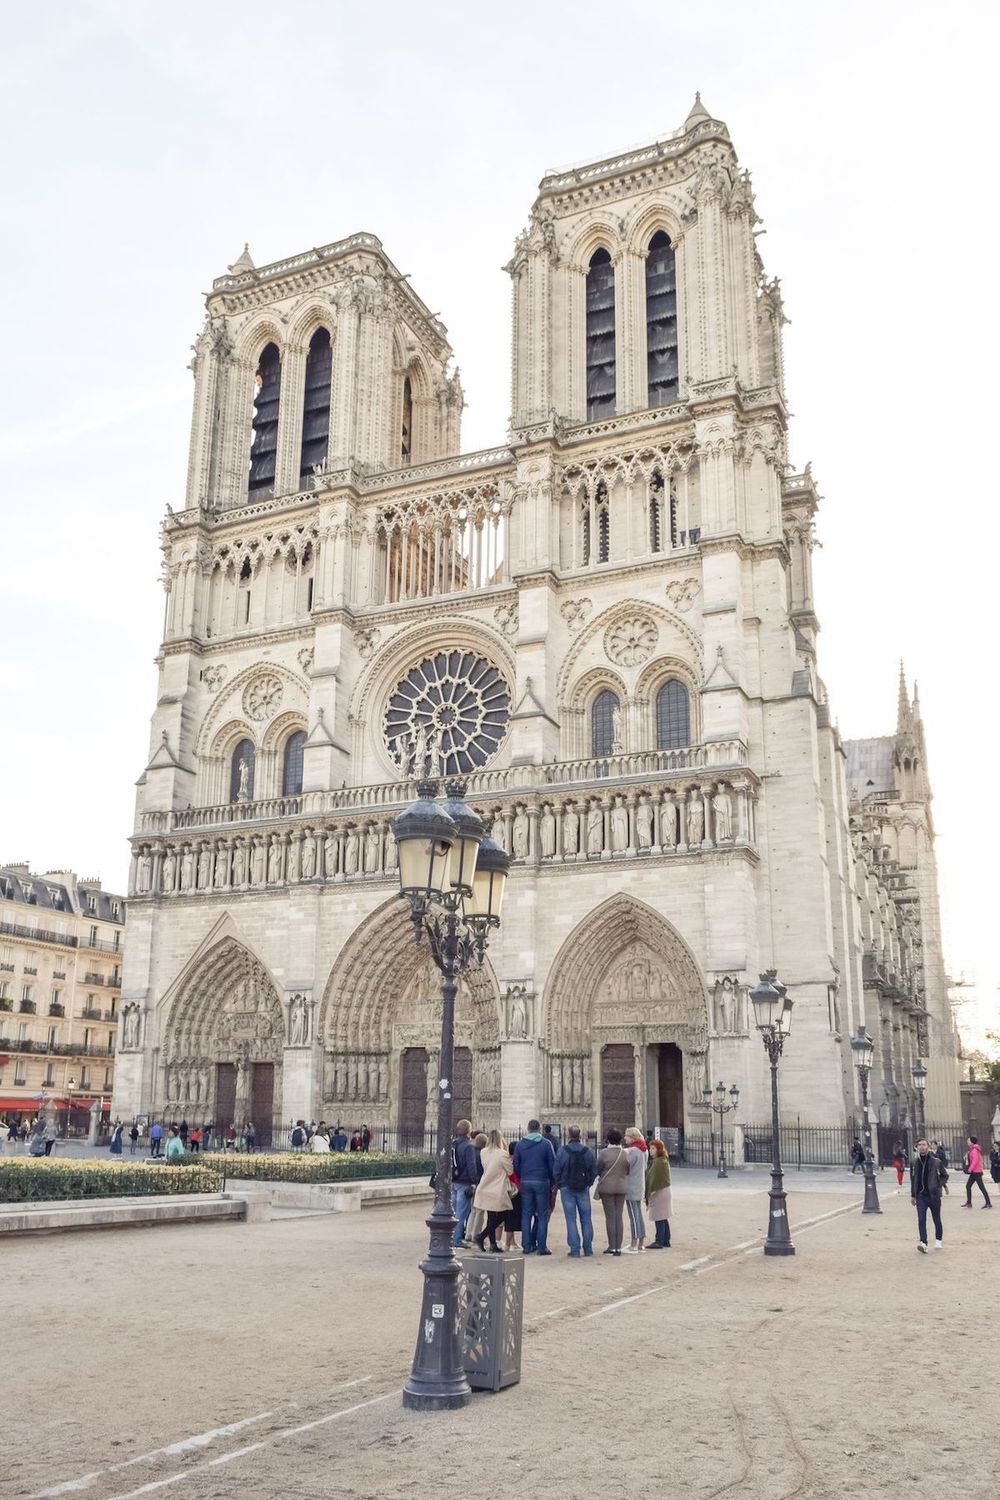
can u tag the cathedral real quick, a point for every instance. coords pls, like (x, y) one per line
(606, 627)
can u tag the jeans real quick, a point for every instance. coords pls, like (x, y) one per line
(636, 1222)
(976, 1177)
(462, 1194)
(925, 1202)
(534, 1215)
(154, 1146)
(662, 1232)
(578, 1203)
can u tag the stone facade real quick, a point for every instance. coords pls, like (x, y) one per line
(61, 950)
(606, 625)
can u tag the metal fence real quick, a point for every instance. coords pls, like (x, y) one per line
(804, 1145)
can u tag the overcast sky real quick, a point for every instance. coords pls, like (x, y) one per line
(145, 143)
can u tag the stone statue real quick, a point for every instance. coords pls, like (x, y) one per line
(571, 830)
(595, 829)
(420, 752)
(243, 789)
(130, 1037)
(434, 755)
(257, 858)
(204, 867)
(668, 824)
(372, 849)
(617, 731)
(222, 867)
(644, 823)
(518, 1015)
(206, 1085)
(330, 855)
(352, 853)
(696, 820)
(547, 831)
(169, 873)
(404, 752)
(521, 834)
(274, 861)
(497, 831)
(239, 864)
(391, 852)
(145, 878)
(308, 857)
(298, 1022)
(187, 868)
(293, 859)
(619, 826)
(722, 806)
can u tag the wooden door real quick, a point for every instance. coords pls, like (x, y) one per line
(225, 1096)
(262, 1102)
(461, 1089)
(412, 1097)
(617, 1086)
(670, 1078)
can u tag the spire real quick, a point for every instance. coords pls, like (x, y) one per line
(243, 262)
(903, 703)
(696, 114)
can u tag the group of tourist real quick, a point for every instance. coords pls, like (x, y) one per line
(324, 1137)
(497, 1192)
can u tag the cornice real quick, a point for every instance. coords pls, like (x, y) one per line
(663, 160)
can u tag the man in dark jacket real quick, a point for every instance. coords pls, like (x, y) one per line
(927, 1178)
(466, 1170)
(534, 1163)
(575, 1169)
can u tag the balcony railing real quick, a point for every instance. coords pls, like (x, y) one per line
(57, 1010)
(94, 979)
(53, 1049)
(30, 971)
(38, 934)
(90, 1014)
(27, 1007)
(376, 797)
(101, 946)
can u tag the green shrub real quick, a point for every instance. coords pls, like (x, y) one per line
(306, 1166)
(26, 1181)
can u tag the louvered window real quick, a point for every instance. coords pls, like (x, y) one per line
(602, 718)
(673, 715)
(600, 337)
(291, 779)
(316, 405)
(264, 447)
(603, 511)
(406, 434)
(661, 321)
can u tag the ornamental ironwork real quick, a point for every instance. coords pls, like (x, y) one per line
(448, 715)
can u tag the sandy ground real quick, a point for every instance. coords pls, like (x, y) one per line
(857, 1368)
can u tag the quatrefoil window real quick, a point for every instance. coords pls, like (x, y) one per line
(451, 712)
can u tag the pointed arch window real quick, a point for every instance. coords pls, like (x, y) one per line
(406, 431)
(316, 405)
(673, 715)
(602, 723)
(240, 780)
(264, 444)
(600, 337)
(291, 774)
(661, 321)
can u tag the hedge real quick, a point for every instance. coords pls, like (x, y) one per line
(320, 1166)
(26, 1181)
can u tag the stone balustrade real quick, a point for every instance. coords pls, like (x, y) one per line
(687, 814)
(395, 794)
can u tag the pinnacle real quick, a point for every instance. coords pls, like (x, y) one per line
(696, 113)
(243, 262)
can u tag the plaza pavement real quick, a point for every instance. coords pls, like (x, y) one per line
(267, 1360)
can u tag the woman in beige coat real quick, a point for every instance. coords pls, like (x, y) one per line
(493, 1192)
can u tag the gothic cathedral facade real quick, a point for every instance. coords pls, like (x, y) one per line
(605, 626)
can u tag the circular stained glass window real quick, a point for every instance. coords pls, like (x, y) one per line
(448, 715)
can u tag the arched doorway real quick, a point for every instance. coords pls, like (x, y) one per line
(223, 1044)
(626, 1026)
(381, 1031)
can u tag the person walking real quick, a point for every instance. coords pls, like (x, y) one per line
(194, 1140)
(182, 1131)
(575, 1170)
(995, 1161)
(175, 1145)
(857, 1157)
(492, 1195)
(612, 1168)
(658, 1194)
(899, 1162)
(535, 1163)
(636, 1151)
(298, 1139)
(133, 1138)
(155, 1139)
(974, 1171)
(465, 1173)
(250, 1137)
(49, 1135)
(117, 1131)
(927, 1177)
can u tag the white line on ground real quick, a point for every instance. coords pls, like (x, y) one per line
(636, 1297)
(689, 1265)
(755, 1245)
(554, 1313)
(184, 1445)
(276, 1437)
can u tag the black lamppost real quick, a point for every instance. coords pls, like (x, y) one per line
(919, 1076)
(864, 1049)
(70, 1086)
(719, 1107)
(772, 1009)
(453, 877)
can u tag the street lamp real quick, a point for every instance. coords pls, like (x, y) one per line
(453, 877)
(863, 1048)
(70, 1086)
(919, 1076)
(772, 1009)
(719, 1107)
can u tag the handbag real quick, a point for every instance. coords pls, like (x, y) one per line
(597, 1184)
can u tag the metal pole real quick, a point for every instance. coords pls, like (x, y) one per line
(437, 1379)
(871, 1203)
(779, 1237)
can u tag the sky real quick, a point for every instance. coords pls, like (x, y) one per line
(145, 144)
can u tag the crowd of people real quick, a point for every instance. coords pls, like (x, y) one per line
(323, 1137)
(499, 1194)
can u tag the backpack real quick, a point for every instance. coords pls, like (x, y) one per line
(577, 1175)
(298, 1136)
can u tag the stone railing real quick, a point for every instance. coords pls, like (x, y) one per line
(562, 773)
(690, 814)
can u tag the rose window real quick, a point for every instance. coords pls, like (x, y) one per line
(448, 715)
(263, 697)
(631, 641)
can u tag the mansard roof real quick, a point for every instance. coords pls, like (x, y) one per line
(18, 884)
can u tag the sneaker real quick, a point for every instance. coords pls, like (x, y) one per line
(938, 1245)
(987, 1205)
(629, 1250)
(966, 1205)
(641, 1248)
(609, 1251)
(922, 1248)
(616, 1252)
(543, 1252)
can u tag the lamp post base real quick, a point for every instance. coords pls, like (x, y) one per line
(437, 1380)
(871, 1204)
(779, 1236)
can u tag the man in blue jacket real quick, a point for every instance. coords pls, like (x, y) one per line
(466, 1170)
(534, 1163)
(576, 1169)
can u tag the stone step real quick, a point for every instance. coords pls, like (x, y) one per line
(49, 1216)
(339, 1197)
